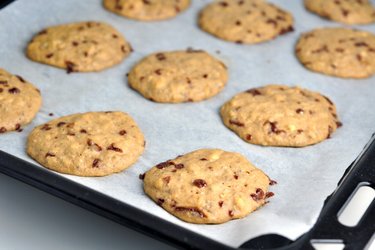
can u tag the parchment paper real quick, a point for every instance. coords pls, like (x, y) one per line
(305, 175)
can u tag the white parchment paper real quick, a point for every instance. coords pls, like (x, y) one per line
(305, 175)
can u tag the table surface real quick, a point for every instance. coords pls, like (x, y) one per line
(32, 219)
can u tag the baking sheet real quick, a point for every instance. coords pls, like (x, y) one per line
(306, 176)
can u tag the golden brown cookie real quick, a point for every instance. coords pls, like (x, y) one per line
(147, 10)
(344, 11)
(19, 101)
(79, 47)
(178, 76)
(245, 21)
(338, 52)
(88, 144)
(207, 186)
(278, 115)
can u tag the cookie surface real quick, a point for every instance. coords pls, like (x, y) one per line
(245, 21)
(79, 47)
(88, 144)
(19, 101)
(344, 11)
(338, 52)
(278, 115)
(178, 76)
(147, 10)
(207, 186)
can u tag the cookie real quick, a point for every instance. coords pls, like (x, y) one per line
(19, 101)
(338, 52)
(278, 115)
(88, 144)
(245, 21)
(147, 10)
(79, 47)
(178, 76)
(207, 186)
(344, 11)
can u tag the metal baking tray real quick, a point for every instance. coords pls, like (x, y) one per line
(327, 227)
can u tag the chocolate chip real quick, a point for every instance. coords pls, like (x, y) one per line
(114, 36)
(116, 149)
(249, 137)
(49, 154)
(122, 132)
(194, 210)
(14, 90)
(158, 72)
(164, 164)
(272, 182)
(142, 176)
(203, 159)
(95, 163)
(223, 4)
(94, 145)
(269, 194)
(339, 124)
(345, 12)
(221, 203)
(235, 176)
(361, 44)
(83, 131)
(2, 82)
(254, 92)
(200, 183)
(160, 201)
(274, 128)
(237, 123)
(42, 32)
(272, 21)
(167, 179)
(74, 43)
(299, 111)
(70, 66)
(179, 166)
(17, 126)
(160, 56)
(328, 100)
(61, 124)
(230, 213)
(321, 49)
(286, 30)
(45, 127)
(259, 194)
(3, 130)
(238, 23)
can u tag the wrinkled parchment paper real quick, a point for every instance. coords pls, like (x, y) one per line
(306, 176)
